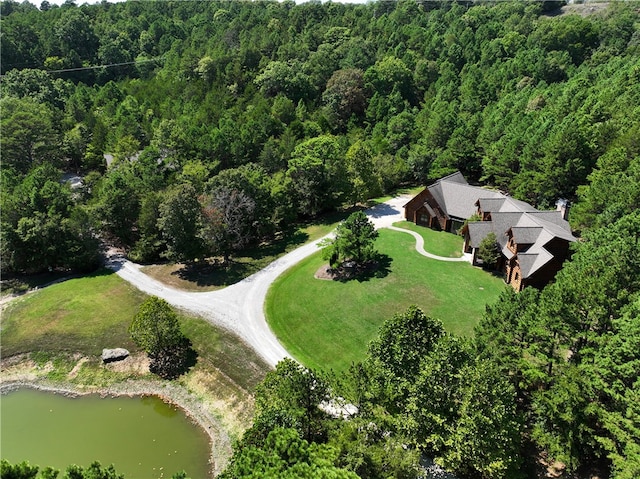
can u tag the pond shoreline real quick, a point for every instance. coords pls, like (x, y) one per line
(170, 392)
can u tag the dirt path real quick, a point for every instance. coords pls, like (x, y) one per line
(240, 307)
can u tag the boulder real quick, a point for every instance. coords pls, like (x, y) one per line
(111, 355)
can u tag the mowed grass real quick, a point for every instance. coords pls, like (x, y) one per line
(439, 243)
(220, 350)
(328, 324)
(207, 277)
(78, 315)
(85, 315)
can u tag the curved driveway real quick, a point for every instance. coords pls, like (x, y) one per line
(240, 307)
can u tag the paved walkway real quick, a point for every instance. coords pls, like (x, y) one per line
(420, 247)
(240, 307)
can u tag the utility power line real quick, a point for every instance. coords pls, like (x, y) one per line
(97, 67)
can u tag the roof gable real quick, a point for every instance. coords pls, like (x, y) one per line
(509, 217)
(532, 262)
(526, 235)
(456, 177)
(457, 199)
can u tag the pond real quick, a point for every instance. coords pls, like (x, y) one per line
(143, 437)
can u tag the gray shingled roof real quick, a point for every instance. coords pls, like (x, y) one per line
(503, 204)
(527, 229)
(526, 234)
(558, 227)
(552, 217)
(529, 226)
(530, 262)
(502, 222)
(456, 177)
(458, 199)
(478, 230)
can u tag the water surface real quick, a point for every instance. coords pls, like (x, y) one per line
(142, 436)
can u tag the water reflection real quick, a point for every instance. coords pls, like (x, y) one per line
(160, 407)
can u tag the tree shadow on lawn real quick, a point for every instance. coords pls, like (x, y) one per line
(379, 267)
(19, 284)
(283, 243)
(216, 273)
(206, 273)
(173, 362)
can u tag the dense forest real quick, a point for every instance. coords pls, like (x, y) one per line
(223, 122)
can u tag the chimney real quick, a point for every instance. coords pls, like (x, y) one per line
(563, 206)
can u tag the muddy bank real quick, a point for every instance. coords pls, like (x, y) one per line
(22, 372)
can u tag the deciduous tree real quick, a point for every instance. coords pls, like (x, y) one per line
(318, 175)
(365, 182)
(344, 96)
(488, 251)
(43, 229)
(227, 221)
(180, 223)
(290, 397)
(155, 328)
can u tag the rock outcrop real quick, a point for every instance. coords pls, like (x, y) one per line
(111, 355)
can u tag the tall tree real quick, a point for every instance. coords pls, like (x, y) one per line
(353, 241)
(285, 455)
(290, 396)
(344, 97)
(365, 182)
(155, 326)
(394, 358)
(318, 175)
(43, 229)
(117, 203)
(28, 135)
(227, 221)
(179, 223)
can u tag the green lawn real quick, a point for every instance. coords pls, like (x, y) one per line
(439, 243)
(78, 315)
(205, 277)
(85, 315)
(328, 324)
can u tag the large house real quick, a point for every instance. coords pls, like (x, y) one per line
(533, 243)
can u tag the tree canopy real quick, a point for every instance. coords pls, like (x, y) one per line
(294, 110)
(321, 105)
(353, 241)
(155, 328)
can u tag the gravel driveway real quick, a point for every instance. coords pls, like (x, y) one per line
(240, 307)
